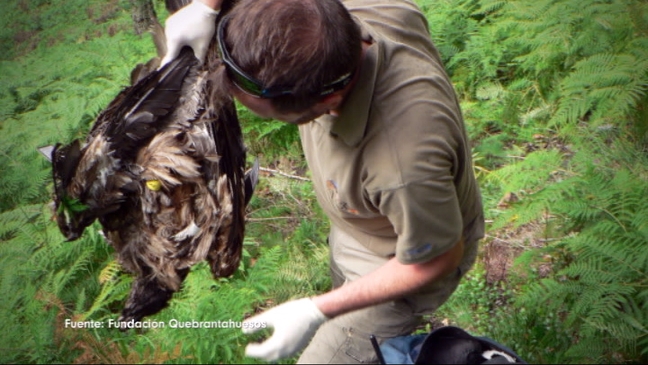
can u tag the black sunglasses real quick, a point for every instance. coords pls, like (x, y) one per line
(253, 86)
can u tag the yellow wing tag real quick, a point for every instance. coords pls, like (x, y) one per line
(154, 185)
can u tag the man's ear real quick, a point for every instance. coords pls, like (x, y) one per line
(331, 102)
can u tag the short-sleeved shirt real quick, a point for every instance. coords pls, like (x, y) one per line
(394, 168)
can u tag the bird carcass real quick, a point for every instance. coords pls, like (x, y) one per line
(162, 169)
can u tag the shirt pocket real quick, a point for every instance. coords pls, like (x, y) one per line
(340, 202)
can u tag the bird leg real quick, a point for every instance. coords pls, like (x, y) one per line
(147, 297)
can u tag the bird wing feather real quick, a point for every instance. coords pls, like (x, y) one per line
(140, 111)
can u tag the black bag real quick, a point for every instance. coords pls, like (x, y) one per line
(446, 345)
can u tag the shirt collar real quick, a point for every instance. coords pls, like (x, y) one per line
(351, 124)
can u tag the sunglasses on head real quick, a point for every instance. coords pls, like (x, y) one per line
(253, 86)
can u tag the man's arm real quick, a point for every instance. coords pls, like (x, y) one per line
(296, 322)
(389, 282)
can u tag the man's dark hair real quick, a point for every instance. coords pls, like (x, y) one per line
(303, 44)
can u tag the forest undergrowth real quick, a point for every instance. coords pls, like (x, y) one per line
(554, 95)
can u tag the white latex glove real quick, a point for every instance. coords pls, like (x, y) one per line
(194, 25)
(294, 323)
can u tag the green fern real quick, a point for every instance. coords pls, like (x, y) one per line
(604, 89)
(600, 287)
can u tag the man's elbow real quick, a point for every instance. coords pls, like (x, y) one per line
(444, 264)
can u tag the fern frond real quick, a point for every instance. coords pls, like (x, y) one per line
(531, 173)
(601, 286)
(115, 289)
(110, 272)
(608, 85)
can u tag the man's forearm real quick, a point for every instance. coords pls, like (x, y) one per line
(391, 281)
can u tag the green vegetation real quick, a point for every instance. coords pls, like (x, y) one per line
(554, 94)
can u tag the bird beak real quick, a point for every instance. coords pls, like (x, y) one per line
(47, 151)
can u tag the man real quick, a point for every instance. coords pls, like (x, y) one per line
(385, 141)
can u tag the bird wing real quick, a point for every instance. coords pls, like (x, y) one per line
(225, 253)
(140, 111)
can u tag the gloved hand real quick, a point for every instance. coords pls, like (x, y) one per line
(294, 323)
(194, 25)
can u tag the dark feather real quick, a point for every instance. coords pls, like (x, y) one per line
(251, 180)
(137, 116)
(65, 161)
(147, 297)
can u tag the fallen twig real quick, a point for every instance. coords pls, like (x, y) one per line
(273, 171)
(268, 219)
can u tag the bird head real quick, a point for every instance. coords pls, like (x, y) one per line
(72, 216)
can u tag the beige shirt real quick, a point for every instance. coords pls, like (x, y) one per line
(394, 170)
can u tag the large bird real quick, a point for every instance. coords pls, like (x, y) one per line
(162, 169)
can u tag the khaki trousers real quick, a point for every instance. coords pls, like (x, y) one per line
(345, 339)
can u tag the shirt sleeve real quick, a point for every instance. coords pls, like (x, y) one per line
(426, 217)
